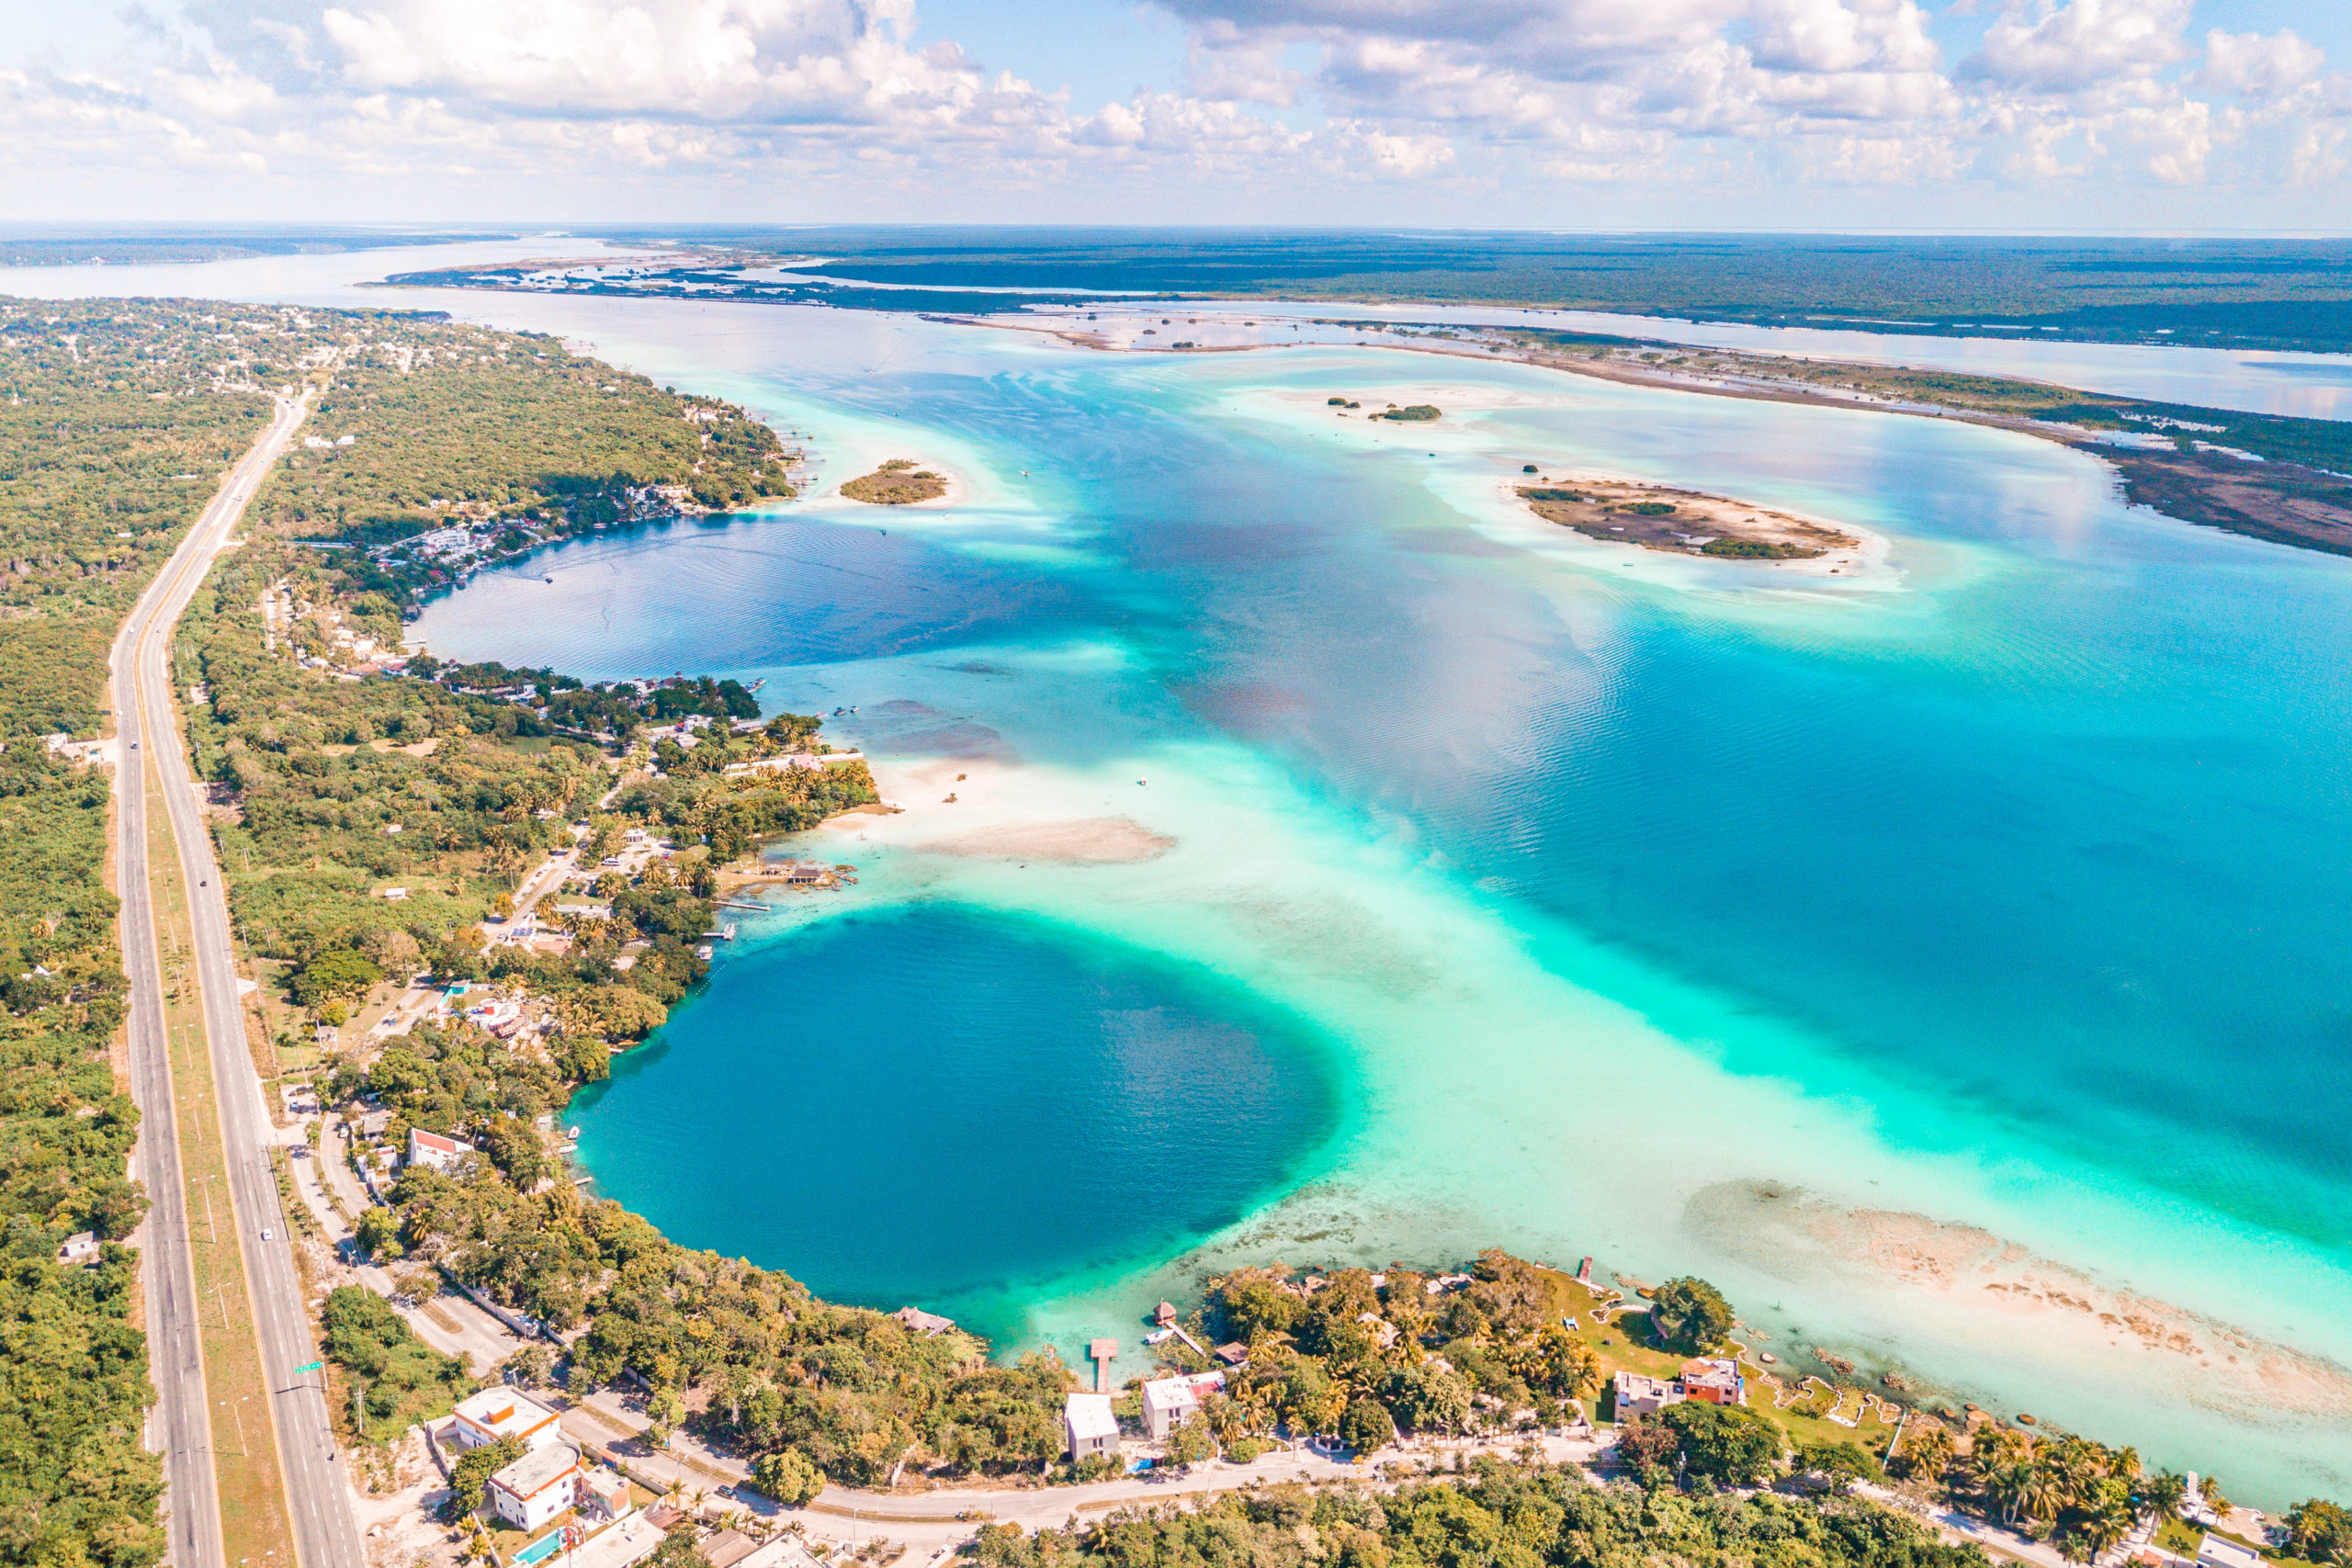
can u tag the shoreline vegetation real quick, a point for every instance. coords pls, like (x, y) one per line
(390, 829)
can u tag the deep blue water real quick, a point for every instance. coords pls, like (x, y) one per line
(931, 1105)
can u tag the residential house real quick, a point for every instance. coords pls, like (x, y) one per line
(1088, 1425)
(496, 1413)
(603, 1493)
(434, 1152)
(2219, 1551)
(535, 1488)
(727, 1548)
(1167, 1401)
(80, 1247)
(1715, 1380)
(1640, 1395)
(930, 1325)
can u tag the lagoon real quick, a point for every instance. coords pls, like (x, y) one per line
(1913, 954)
(1856, 943)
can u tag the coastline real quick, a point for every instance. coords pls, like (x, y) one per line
(1163, 862)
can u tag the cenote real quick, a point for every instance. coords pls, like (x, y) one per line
(931, 1104)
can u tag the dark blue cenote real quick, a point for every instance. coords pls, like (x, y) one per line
(956, 1088)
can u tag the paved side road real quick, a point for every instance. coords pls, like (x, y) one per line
(318, 1496)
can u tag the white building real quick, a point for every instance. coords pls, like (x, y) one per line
(496, 1413)
(1167, 1401)
(434, 1152)
(536, 1487)
(1089, 1426)
(2215, 1551)
(1640, 1395)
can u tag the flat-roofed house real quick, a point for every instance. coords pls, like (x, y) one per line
(536, 1487)
(496, 1413)
(1715, 1379)
(2219, 1551)
(1088, 1425)
(1640, 1395)
(1167, 1401)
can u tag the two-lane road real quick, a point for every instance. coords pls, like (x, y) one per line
(319, 1499)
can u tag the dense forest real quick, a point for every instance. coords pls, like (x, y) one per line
(427, 424)
(115, 420)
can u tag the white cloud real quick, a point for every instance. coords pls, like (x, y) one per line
(2066, 45)
(1467, 96)
(2254, 65)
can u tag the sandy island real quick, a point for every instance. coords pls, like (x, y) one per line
(1690, 521)
(1076, 841)
(905, 482)
(972, 808)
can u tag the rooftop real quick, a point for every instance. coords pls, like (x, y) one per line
(1089, 1416)
(536, 1471)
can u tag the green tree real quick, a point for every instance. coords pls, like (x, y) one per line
(1367, 1427)
(1189, 1441)
(2099, 1519)
(339, 975)
(788, 1477)
(1427, 1399)
(1729, 1444)
(1647, 1445)
(379, 1233)
(1842, 1463)
(1926, 1453)
(1689, 1316)
(2163, 1494)
(473, 1470)
(2319, 1531)
(679, 1549)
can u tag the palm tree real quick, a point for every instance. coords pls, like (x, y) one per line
(2163, 1494)
(1927, 1454)
(2043, 1493)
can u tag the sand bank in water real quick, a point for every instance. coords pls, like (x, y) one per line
(1787, 1232)
(1084, 841)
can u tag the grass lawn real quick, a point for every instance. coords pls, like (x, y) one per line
(1624, 1345)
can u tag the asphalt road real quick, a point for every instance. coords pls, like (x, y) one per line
(318, 1498)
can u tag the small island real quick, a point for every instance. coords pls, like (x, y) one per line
(895, 483)
(1682, 521)
(1416, 414)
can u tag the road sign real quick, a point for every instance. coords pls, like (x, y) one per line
(312, 1366)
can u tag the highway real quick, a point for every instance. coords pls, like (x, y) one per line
(318, 1497)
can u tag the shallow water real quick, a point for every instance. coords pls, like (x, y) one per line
(1627, 881)
(1647, 900)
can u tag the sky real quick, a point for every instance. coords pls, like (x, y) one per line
(2036, 116)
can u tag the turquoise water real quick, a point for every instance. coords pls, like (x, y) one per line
(1780, 928)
